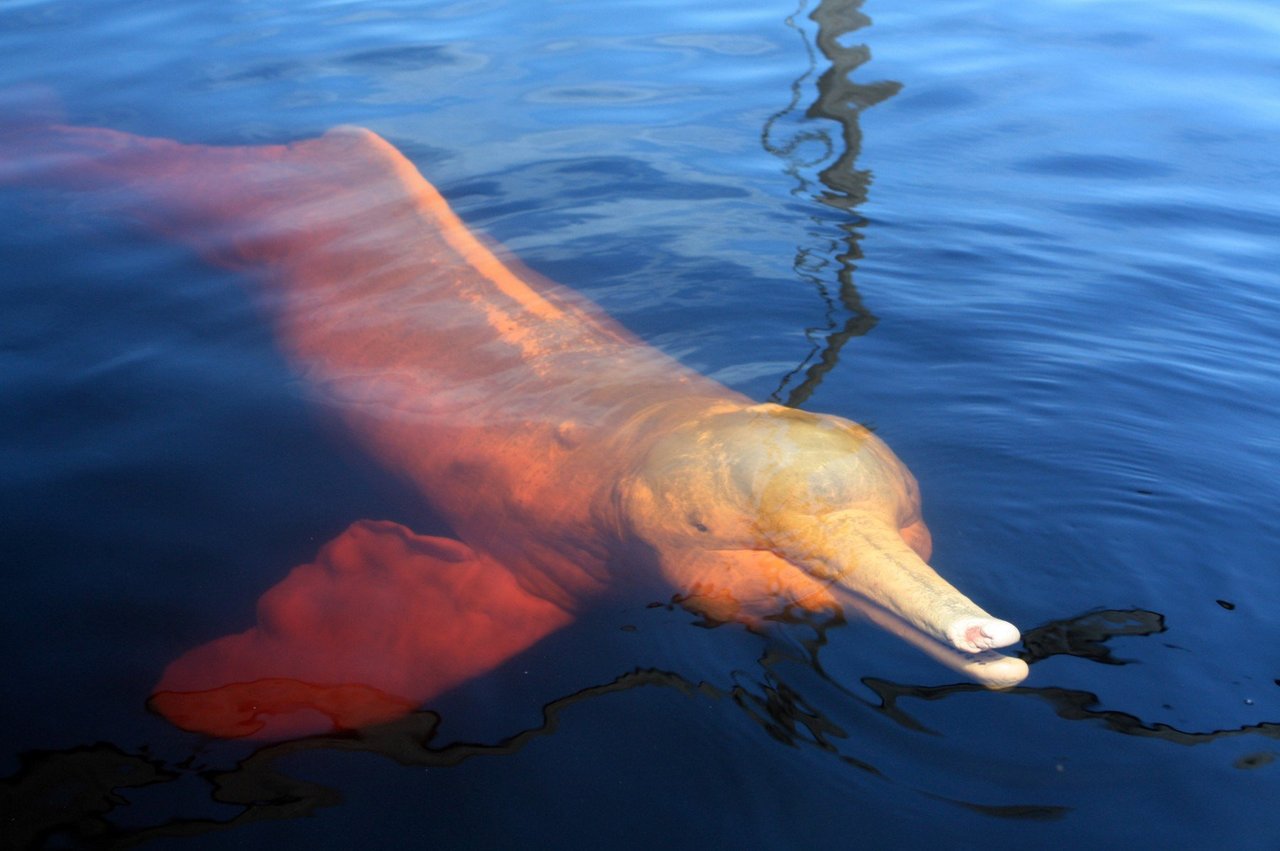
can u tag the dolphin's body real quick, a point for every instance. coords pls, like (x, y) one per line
(568, 456)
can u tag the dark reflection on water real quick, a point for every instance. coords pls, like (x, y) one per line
(841, 100)
(1085, 636)
(58, 796)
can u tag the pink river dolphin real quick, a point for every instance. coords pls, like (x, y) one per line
(570, 459)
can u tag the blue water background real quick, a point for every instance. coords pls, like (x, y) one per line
(1058, 302)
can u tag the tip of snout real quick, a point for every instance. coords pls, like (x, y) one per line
(974, 635)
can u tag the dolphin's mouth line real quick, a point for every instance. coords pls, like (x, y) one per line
(983, 664)
(992, 669)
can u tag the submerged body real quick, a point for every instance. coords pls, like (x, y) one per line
(568, 456)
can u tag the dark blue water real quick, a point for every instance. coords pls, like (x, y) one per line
(1034, 245)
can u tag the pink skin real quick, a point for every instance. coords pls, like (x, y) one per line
(560, 448)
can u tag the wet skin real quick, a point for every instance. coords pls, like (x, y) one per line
(570, 458)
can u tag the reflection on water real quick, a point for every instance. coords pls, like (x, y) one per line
(1085, 637)
(841, 100)
(71, 793)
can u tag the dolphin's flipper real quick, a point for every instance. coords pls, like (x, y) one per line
(381, 621)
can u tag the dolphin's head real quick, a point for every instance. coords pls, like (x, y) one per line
(728, 478)
(756, 509)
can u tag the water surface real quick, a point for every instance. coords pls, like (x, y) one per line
(1033, 245)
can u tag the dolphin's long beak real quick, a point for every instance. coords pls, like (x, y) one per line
(872, 569)
(991, 669)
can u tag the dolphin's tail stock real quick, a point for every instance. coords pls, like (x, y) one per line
(217, 199)
(380, 622)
